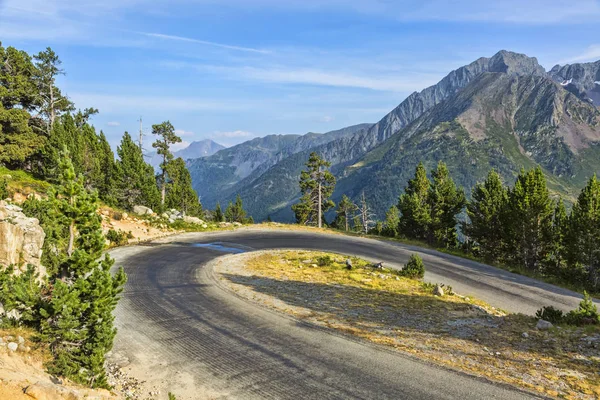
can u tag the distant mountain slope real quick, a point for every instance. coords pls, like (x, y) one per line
(498, 121)
(197, 149)
(280, 182)
(581, 79)
(215, 177)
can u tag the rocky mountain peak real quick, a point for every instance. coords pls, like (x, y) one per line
(582, 79)
(515, 64)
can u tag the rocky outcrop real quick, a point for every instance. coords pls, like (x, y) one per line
(583, 79)
(142, 210)
(21, 239)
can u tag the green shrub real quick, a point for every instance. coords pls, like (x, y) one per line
(172, 396)
(550, 314)
(21, 293)
(119, 238)
(4, 193)
(415, 268)
(324, 261)
(585, 314)
(117, 216)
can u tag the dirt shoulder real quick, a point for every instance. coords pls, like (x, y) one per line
(23, 376)
(454, 331)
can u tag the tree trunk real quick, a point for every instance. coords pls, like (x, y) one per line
(52, 113)
(320, 203)
(71, 238)
(163, 189)
(346, 218)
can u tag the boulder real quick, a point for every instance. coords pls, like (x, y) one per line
(438, 291)
(192, 220)
(49, 391)
(142, 210)
(543, 325)
(12, 346)
(21, 239)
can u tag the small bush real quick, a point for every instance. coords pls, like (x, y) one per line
(119, 238)
(172, 396)
(550, 314)
(585, 314)
(324, 261)
(4, 193)
(415, 268)
(117, 216)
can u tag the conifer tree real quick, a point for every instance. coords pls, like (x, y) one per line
(392, 222)
(414, 206)
(556, 262)
(345, 212)
(485, 213)
(317, 185)
(19, 139)
(77, 317)
(180, 194)
(446, 202)
(584, 234)
(166, 137)
(52, 102)
(528, 220)
(235, 211)
(135, 181)
(218, 213)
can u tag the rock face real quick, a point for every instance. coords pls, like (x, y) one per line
(142, 210)
(21, 239)
(582, 79)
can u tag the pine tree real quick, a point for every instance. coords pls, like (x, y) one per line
(528, 220)
(485, 213)
(19, 139)
(317, 185)
(235, 211)
(180, 194)
(166, 133)
(52, 102)
(77, 317)
(556, 262)
(415, 220)
(106, 183)
(135, 182)
(392, 222)
(218, 213)
(447, 201)
(584, 234)
(345, 212)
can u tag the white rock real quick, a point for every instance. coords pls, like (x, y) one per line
(142, 210)
(438, 291)
(12, 346)
(543, 325)
(525, 335)
(21, 239)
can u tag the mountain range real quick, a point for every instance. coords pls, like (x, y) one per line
(197, 149)
(504, 112)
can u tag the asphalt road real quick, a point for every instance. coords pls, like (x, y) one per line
(175, 323)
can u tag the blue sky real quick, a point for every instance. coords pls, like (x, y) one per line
(231, 70)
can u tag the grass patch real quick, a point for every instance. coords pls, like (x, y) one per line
(23, 182)
(383, 307)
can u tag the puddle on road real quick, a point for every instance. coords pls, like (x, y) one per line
(218, 246)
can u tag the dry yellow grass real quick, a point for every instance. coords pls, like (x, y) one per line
(454, 331)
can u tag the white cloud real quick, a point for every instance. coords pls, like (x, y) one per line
(113, 123)
(115, 102)
(181, 132)
(592, 53)
(309, 76)
(204, 42)
(232, 134)
(179, 146)
(326, 118)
